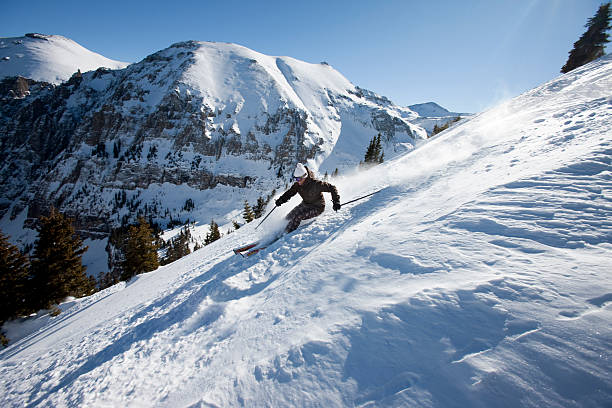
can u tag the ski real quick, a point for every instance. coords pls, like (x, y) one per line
(250, 249)
(252, 252)
(239, 251)
(255, 247)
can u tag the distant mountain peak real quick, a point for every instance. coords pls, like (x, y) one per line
(432, 114)
(48, 58)
(40, 36)
(432, 109)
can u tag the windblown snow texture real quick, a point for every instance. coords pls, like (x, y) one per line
(480, 276)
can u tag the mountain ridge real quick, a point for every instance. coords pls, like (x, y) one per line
(216, 121)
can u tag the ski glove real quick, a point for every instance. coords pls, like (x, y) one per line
(278, 202)
(337, 206)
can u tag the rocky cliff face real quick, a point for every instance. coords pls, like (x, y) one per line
(216, 123)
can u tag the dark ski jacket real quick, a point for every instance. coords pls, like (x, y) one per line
(311, 192)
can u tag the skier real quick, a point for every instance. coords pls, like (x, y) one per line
(311, 190)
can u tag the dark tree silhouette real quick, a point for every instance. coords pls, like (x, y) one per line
(592, 43)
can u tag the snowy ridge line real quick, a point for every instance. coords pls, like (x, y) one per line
(49, 58)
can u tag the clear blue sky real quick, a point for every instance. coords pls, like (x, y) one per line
(465, 55)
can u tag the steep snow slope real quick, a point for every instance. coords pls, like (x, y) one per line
(48, 58)
(480, 276)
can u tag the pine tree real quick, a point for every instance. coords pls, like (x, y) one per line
(259, 208)
(591, 44)
(374, 154)
(248, 213)
(369, 152)
(178, 247)
(14, 281)
(379, 154)
(213, 234)
(182, 242)
(116, 248)
(141, 250)
(57, 267)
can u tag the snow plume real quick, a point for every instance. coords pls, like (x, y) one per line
(408, 170)
(273, 226)
(485, 283)
(500, 126)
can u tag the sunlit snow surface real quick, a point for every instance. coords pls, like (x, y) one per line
(48, 58)
(479, 277)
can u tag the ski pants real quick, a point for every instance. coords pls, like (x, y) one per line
(300, 213)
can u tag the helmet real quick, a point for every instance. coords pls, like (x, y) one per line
(300, 170)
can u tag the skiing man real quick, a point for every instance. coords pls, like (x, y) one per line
(311, 190)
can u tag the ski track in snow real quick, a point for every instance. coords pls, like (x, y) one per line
(481, 278)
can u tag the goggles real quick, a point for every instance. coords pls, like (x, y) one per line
(298, 178)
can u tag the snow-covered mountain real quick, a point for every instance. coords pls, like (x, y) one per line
(432, 109)
(48, 58)
(481, 276)
(432, 114)
(207, 123)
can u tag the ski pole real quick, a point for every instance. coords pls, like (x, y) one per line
(265, 217)
(360, 198)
